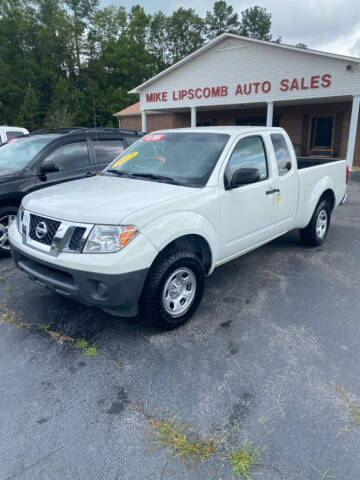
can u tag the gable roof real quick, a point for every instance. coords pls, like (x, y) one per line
(131, 110)
(246, 39)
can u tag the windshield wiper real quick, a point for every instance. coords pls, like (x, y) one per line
(161, 178)
(120, 173)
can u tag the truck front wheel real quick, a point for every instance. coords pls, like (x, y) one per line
(173, 289)
(315, 232)
(7, 215)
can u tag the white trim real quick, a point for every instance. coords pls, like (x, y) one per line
(193, 116)
(246, 39)
(269, 114)
(143, 121)
(352, 131)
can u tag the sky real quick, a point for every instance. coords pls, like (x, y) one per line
(329, 25)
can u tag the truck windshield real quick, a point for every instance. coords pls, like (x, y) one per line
(185, 158)
(17, 155)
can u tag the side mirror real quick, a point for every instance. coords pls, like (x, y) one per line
(244, 176)
(49, 168)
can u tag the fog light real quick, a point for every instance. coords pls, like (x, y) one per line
(102, 290)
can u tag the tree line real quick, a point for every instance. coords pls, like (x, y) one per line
(70, 62)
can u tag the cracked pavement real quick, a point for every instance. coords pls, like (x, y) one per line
(255, 364)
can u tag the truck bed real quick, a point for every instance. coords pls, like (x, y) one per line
(306, 162)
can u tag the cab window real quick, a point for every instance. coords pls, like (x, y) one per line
(249, 153)
(282, 154)
(71, 156)
(107, 150)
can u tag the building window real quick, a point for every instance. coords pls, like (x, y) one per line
(321, 135)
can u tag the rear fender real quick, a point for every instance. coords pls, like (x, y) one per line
(309, 198)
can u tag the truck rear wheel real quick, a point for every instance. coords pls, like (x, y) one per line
(173, 289)
(315, 232)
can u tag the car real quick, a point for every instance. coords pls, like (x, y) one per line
(48, 157)
(167, 212)
(9, 133)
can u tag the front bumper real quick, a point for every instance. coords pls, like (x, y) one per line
(118, 293)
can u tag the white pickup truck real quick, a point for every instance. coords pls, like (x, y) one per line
(9, 133)
(167, 211)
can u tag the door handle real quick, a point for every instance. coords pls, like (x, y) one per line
(273, 190)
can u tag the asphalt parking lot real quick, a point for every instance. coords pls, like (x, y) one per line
(257, 364)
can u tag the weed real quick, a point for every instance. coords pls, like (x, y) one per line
(353, 406)
(243, 459)
(22, 325)
(181, 441)
(90, 350)
(44, 326)
(7, 315)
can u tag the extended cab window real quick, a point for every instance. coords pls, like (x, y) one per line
(249, 153)
(107, 150)
(70, 156)
(282, 153)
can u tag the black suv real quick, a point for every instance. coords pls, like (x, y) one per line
(48, 157)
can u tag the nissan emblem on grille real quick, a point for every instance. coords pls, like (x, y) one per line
(41, 230)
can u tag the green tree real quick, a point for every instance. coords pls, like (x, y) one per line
(29, 112)
(185, 33)
(222, 19)
(59, 113)
(83, 12)
(256, 23)
(158, 42)
(108, 24)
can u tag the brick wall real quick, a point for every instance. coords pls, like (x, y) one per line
(154, 122)
(290, 118)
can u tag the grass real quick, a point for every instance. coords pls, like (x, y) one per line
(181, 441)
(90, 350)
(352, 405)
(243, 459)
(7, 315)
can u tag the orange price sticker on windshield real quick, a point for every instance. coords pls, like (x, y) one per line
(153, 137)
(125, 159)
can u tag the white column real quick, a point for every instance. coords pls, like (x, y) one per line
(193, 116)
(119, 122)
(270, 114)
(143, 121)
(352, 131)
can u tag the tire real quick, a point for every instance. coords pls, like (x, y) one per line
(6, 214)
(173, 289)
(314, 234)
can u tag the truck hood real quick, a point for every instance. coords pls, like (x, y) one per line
(101, 199)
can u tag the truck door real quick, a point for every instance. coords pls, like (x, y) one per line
(249, 212)
(287, 181)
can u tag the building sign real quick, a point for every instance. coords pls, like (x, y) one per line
(249, 88)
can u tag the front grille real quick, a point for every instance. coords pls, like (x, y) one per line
(76, 238)
(51, 225)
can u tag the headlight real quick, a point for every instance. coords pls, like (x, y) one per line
(19, 218)
(109, 238)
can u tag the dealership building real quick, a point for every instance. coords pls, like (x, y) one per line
(236, 80)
